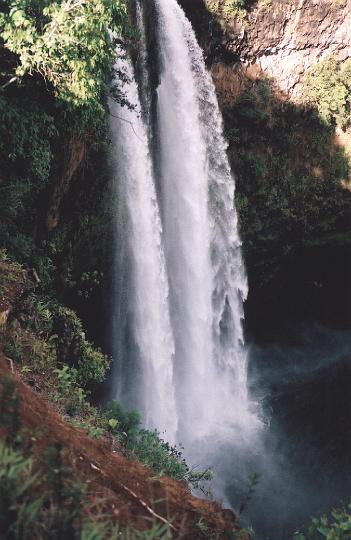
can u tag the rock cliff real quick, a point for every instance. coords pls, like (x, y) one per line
(291, 168)
(281, 38)
(286, 38)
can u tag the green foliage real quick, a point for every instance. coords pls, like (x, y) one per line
(14, 344)
(66, 361)
(228, 8)
(37, 314)
(9, 409)
(327, 87)
(91, 364)
(128, 422)
(27, 135)
(149, 447)
(67, 43)
(65, 494)
(93, 530)
(337, 528)
(249, 493)
(43, 354)
(72, 395)
(31, 340)
(243, 534)
(39, 498)
(10, 272)
(18, 513)
(66, 378)
(57, 60)
(35, 504)
(289, 177)
(157, 454)
(157, 531)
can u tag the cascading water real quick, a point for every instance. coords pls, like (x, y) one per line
(151, 347)
(202, 246)
(179, 337)
(180, 282)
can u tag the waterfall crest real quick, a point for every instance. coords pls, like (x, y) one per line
(182, 347)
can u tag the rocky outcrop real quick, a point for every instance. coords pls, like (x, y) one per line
(284, 39)
(70, 162)
(280, 39)
(291, 169)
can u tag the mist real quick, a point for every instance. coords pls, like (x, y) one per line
(301, 453)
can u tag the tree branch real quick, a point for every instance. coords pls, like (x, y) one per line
(128, 122)
(13, 79)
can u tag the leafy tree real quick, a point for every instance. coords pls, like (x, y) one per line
(327, 87)
(67, 43)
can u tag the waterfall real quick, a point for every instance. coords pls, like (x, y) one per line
(179, 335)
(150, 348)
(202, 246)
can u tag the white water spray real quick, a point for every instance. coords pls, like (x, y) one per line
(202, 245)
(151, 385)
(186, 295)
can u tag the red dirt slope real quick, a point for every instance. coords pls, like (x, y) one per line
(131, 492)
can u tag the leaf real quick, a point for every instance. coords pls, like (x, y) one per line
(113, 423)
(323, 530)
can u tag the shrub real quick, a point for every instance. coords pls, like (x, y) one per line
(91, 364)
(43, 354)
(10, 272)
(18, 513)
(66, 44)
(149, 447)
(77, 401)
(66, 379)
(327, 87)
(128, 422)
(339, 528)
(228, 8)
(159, 455)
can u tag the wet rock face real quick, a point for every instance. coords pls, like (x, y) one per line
(286, 38)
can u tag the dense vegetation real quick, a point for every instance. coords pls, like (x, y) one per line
(228, 8)
(336, 527)
(56, 60)
(289, 176)
(327, 88)
(237, 9)
(47, 344)
(41, 496)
